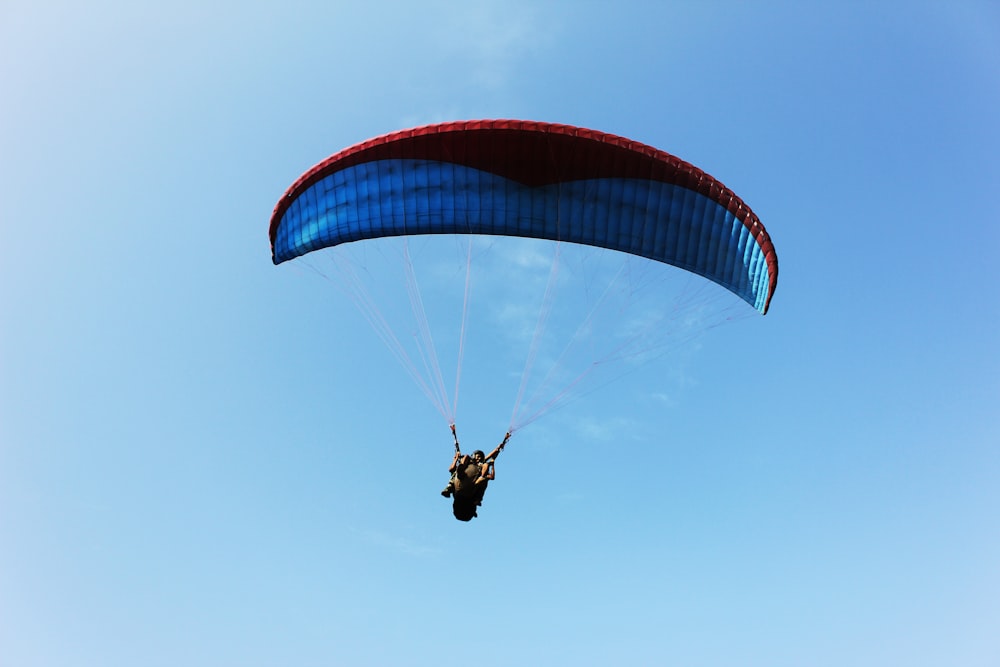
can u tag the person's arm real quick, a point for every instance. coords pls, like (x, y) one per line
(486, 473)
(499, 448)
(454, 461)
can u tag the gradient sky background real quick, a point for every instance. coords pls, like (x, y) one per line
(208, 460)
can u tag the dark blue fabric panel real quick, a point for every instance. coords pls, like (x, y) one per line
(660, 221)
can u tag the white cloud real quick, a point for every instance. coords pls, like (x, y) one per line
(492, 38)
(398, 544)
(665, 399)
(603, 430)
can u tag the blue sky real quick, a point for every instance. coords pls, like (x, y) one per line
(209, 460)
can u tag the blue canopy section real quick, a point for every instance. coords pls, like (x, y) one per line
(658, 220)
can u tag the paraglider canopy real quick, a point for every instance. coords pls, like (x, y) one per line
(530, 179)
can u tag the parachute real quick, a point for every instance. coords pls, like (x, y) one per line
(530, 179)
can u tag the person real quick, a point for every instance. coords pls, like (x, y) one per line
(470, 475)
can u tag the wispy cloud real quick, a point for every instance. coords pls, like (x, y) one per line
(495, 37)
(569, 498)
(603, 430)
(397, 544)
(664, 399)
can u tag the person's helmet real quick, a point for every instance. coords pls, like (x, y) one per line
(478, 454)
